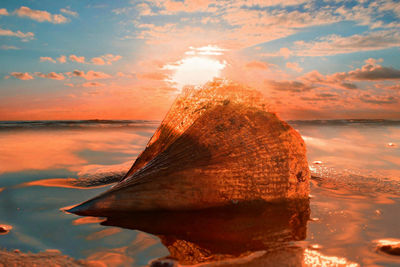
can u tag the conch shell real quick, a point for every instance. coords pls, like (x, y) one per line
(217, 146)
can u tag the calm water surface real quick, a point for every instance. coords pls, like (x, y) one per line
(355, 199)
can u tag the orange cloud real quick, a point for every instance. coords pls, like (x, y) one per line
(126, 75)
(372, 72)
(389, 87)
(3, 12)
(62, 59)
(24, 36)
(22, 75)
(314, 77)
(257, 65)
(105, 59)
(42, 59)
(152, 76)
(283, 52)
(90, 75)
(144, 9)
(98, 61)
(77, 59)
(292, 86)
(334, 44)
(40, 15)
(294, 66)
(93, 84)
(51, 75)
(186, 6)
(379, 99)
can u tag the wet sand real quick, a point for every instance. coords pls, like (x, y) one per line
(354, 203)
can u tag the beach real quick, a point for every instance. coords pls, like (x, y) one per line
(50, 165)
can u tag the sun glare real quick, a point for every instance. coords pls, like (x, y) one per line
(198, 68)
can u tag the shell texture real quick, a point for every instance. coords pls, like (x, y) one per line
(217, 145)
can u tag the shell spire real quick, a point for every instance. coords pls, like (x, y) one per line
(217, 145)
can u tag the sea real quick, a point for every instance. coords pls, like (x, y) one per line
(354, 207)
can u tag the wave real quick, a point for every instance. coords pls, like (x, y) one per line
(346, 122)
(97, 123)
(42, 124)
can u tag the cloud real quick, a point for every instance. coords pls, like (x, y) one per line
(144, 9)
(9, 47)
(378, 100)
(90, 75)
(98, 61)
(239, 24)
(389, 87)
(321, 97)
(69, 12)
(314, 77)
(294, 66)
(105, 59)
(283, 52)
(209, 50)
(22, 75)
(3, 12)
(24, 36)
(335, 44)
(269, 3)
(172, 7)
(62, 59)
(77, 59)
(370, 14)
(231, 24)
(291, 86)
(42, 59)
(93, 84)
(369, 72)
(152, 76)
(257, 65)
(51, 75)
(126, 75)
(40, 15)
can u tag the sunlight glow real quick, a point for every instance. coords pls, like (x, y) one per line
(198, 68)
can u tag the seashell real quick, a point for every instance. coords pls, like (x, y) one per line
(218, 145)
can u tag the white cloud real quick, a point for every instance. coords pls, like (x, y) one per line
(9, 47)
(69, 12)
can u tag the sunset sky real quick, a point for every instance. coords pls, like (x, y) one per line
(129, 59)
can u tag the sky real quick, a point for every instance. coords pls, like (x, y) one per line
(129, 59)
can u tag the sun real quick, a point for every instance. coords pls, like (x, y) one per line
(198, 67)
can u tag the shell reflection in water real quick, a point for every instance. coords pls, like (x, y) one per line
(258, 234)
(217, 145)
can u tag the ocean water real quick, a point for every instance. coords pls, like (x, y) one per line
(355, 199)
